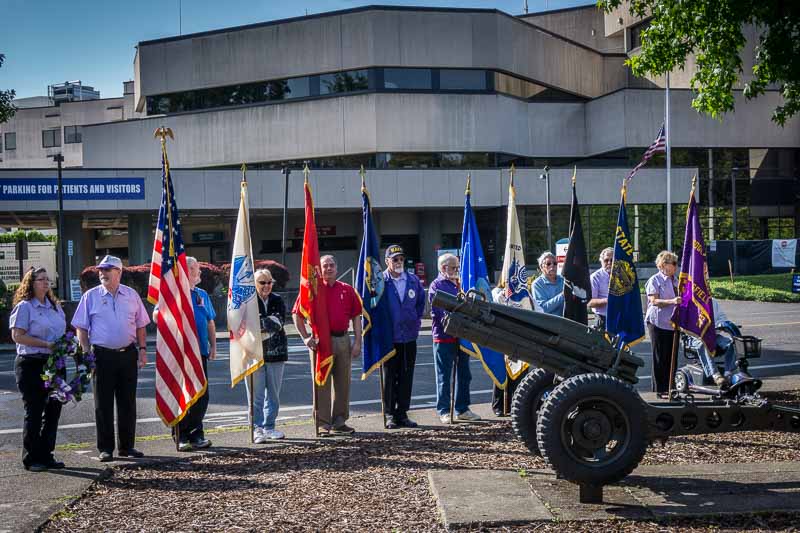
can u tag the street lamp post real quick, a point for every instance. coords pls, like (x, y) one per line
(546, 178)
(62, 273)
(285, 171)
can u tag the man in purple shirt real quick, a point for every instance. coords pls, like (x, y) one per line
(406, 306)
(446, 351)
(111, 319)
(600, 280)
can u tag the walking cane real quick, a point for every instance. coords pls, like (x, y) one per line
(250, 408)
(505, 397)
(453, 387)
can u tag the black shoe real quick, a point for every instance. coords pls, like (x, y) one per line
(52, 464)
(36, 467)
(133, 452)
(391, 424)
(408, 423)
(105, 457)
(184, 446)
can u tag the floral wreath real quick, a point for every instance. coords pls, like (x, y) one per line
(54, 373)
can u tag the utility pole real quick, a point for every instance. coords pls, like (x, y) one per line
(62, 254)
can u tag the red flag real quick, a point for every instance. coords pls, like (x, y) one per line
(180, 380)
(311, 302)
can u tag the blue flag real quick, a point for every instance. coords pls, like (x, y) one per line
(624, 310)
(475, 276)
(376, 318)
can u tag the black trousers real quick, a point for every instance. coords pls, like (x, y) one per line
(661, 341)
(41, 412)
(115, 380)
(191, 425)
(398, 378)
(497, 393)
(601, 322)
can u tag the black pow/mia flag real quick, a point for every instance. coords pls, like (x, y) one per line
(577, 286)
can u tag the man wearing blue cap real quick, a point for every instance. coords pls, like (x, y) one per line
(111, 319)
(406, 306)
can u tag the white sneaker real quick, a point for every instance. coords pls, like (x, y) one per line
(468, 416)
(445, 418)
(273, 434)
(258, 436)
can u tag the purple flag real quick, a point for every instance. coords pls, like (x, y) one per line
(695, 314)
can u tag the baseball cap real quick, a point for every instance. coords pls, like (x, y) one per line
(394, 250)
(110, 261)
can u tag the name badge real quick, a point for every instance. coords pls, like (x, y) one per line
(411, 293)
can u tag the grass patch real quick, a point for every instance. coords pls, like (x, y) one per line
(761, 288)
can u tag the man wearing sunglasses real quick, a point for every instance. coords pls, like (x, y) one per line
(406, 306)
(548, 289)
(600, 280)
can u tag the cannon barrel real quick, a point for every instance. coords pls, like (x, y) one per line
(557, 344)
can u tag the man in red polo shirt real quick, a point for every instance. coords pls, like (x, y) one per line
(344, 308)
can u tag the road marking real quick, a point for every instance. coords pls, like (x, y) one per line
(775, 324)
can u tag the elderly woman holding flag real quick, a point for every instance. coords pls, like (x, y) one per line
(662, 297)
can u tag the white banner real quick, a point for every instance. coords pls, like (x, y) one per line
(40, 254)
(783, 253)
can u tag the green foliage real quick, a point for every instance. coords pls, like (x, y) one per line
(7, 109)
(762, 288)
(30, 236)
(712, 31)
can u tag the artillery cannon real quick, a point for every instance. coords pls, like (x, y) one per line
(578, 408)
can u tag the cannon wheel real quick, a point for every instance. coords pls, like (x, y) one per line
(528, 398)
(592, 429)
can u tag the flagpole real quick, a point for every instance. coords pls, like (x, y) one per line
(314, 392)
(383, 409)
(453, 386)
(250, 408)
(668, 134)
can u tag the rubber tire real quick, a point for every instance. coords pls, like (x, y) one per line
(563, 400)
(526, 403)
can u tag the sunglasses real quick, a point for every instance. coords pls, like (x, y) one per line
(266, 282)
(548, 263)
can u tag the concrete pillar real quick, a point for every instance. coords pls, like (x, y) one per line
(83, 246)
(430, 240)
(140, 238)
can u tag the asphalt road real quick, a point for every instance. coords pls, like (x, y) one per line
(777, 324)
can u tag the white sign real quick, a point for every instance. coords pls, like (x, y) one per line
(561, 253)
(40, 254)
(69, 247)
(783, 253)
(74, 290)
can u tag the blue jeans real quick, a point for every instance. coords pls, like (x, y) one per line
(443, 354)
(266, 402)
(723, 343)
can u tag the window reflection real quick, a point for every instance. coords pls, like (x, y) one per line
(462, 80)
(407, 78)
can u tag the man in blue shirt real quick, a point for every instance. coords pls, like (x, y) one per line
(190, 428)
(548, 289)
(406, 306)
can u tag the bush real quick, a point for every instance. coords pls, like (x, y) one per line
(30, 236)
(138, 278)
(279, 272)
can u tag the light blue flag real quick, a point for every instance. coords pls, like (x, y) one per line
(474, 275)
(376, 318)
(624, 308)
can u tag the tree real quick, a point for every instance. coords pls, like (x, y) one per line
(6, 108)
(712, 30)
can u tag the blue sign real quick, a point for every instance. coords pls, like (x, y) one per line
(796, 283)
(22, 189)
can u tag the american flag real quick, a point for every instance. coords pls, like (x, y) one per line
(658, 146)
(180, 379)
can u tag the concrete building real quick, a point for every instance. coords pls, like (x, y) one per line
(421, 97)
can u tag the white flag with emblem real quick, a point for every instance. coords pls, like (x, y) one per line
(514, 277)
(244, 325)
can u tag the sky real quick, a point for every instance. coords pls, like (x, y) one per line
(49, 41)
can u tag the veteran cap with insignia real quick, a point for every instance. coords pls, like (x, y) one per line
(394, 250)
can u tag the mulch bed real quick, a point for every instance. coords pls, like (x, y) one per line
(373, 482)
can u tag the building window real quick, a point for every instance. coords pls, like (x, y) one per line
(636, 34)
(72, 134)
(11, 141)
(344, 82)
(407, 78)
(51, 138)
(462, 80)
